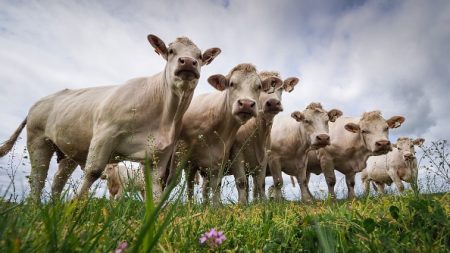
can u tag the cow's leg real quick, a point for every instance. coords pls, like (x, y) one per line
(215, 183)
(275, 170)
(40, 151)
(190, 177)
(350, 181)
(330, 177)
(308, 176)
(99, 155)
(302, 181)
(396, 179)
(259, 183)
(161, 174)
(366, 182)
(380, 187)
(205, 188)
(65, 169)
(241, 181)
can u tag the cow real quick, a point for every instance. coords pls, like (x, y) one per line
(119, 179)
(210, 124)
(398, 165)
(353, 140)
(291, 139)
(95, 126)
(248, 153)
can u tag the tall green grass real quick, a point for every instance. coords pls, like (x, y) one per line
(407, 223)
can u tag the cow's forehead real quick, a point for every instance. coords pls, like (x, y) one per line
(315, 113)
(183, 42)
(404, 141)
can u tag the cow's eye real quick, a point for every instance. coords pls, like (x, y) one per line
(199, 56)
(171, 51)
(412, 146)
(307, 121)
(231, 84)
(259, 87)
(386, 129)
(365, 131)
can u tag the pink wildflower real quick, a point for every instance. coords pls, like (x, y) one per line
(212, 238)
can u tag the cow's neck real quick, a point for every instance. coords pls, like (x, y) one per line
(175, 105)
(302, 140)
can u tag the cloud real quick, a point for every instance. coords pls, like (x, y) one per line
(352, 55)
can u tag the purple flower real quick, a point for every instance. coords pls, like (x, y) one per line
(212, 238)
(122, 246)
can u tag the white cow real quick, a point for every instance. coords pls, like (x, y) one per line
(212, 121)
(92, 127)
(398, 165)
(249, 152)
(291, 140)
(353, 140)
(120, 178)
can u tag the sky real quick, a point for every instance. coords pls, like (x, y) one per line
(356, 56)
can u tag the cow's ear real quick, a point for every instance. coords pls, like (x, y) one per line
(158, 45)
(334, 114)
(218, 81)
(395, 121)
(298, 116)
(419, 141)
(289, 83)
(352, 127)
(209, 55)
(271, 84)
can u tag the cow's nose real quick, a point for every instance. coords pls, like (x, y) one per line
(246, 103)
(323, 137)
(383, 143)
(408, 156)
(271, 103)
(187, 61)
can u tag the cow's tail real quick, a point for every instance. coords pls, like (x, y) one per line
(7, 145)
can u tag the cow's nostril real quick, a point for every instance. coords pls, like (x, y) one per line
(278, 103)
(194, 62)
(252, 104)
(181, 60)
(240, 103)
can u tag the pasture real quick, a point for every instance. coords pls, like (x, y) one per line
(407, 223)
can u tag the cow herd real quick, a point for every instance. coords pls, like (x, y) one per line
(232, 131)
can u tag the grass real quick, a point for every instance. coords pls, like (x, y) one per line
(407, 223)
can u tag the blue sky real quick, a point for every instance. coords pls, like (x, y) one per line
(357, 56)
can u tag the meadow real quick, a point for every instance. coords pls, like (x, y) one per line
(408, 222)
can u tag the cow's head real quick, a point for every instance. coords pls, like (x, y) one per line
(270, 101)
(109, 170)
(315, 120)
(406, 146)
(374, 131)
(243, 87)
(184, 60)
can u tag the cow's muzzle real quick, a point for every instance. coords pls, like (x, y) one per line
(187, 68)
(321, 141)
(273, 106)
(382, 147)
(246, 108)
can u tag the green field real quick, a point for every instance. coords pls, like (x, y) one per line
(407, 223)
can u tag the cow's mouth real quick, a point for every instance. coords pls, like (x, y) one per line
(245, 114)
(382, 151)
(321, 144)
(273, 111)
(187, 73)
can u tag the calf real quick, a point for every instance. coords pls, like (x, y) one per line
(120, 178)
(291, 140)
(353, 140)
(95, 126)
(398, 165)
(212, 121)
(249, 152)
